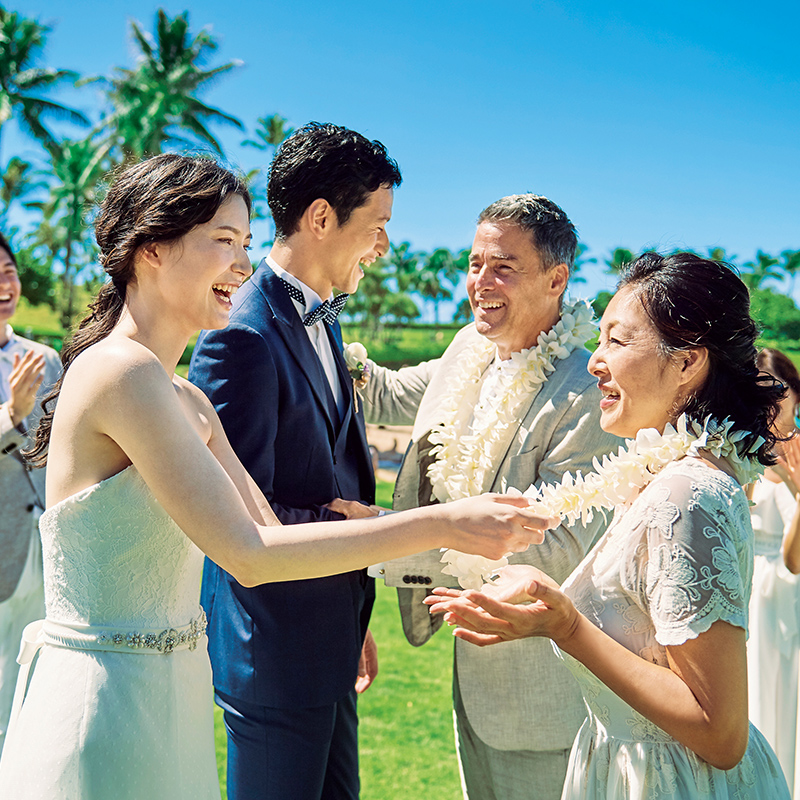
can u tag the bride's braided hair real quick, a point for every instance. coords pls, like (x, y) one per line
(157, 200)
(697, 302)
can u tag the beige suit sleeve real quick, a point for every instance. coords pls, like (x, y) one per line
(392, 397)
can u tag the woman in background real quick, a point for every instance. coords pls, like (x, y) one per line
(774, 644)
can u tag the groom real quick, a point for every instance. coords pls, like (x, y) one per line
(517, 708)
(286, 655)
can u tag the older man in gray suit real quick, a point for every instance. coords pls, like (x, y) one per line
(508, 423)
(26, 368)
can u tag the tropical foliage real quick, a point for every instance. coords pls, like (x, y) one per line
(157, 104)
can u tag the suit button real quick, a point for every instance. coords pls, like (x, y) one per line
(30, 507)
(406, 579)
(428, 580)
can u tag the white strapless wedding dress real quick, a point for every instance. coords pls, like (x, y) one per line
(119, 700)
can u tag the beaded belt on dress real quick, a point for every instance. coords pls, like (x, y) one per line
(86, 637)
(145, 640)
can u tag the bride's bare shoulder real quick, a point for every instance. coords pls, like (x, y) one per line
(115, 364)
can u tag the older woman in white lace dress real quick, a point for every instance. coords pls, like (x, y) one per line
(653, 622)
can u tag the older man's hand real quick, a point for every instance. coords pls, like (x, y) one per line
(26, 377)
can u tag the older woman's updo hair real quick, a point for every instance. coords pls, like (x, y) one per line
(157, 200)
(697, 302)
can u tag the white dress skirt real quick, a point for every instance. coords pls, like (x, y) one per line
(119, 700)
(679, 559)
(774, 644)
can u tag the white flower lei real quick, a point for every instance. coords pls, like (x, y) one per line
(614, 479)
(465, 462)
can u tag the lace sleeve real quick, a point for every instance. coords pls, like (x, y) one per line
(695, 560)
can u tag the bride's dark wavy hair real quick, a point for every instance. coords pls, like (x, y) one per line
(697, 302)
(157, 200)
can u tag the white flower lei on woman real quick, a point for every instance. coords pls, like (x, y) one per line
(617, 476)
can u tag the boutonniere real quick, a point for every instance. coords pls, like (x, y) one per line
(355, 358)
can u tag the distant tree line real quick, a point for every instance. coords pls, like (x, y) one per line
(155, 106)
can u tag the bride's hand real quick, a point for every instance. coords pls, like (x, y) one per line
(522, 602)
(494, 525)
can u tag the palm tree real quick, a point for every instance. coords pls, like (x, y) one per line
(437, 267)
(790, 264)
(75, 171)
(156, 104)
(580, 262)
(760, 270)
(16, 182)
(404, 263)
(620, 257)
(719, 254)
(270, 134)
(22, 85)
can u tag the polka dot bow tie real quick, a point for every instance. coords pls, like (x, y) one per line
(327, 312)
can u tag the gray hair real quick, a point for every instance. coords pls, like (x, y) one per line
(554, 236)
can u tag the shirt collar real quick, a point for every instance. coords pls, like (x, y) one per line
(11, 346)
(313, 300)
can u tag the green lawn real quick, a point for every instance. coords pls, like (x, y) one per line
(406, 721)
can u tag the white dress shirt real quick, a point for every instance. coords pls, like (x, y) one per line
(495, 379)
(317, 334)
(13, 345)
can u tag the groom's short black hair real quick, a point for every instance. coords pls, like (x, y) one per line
(321, 160)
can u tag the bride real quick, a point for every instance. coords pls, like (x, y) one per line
(141, 481)
(653, 622)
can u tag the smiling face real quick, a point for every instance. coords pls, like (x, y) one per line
(641, 387)
(513, 298)
(359, 242)
(10, 290)
(199, 273)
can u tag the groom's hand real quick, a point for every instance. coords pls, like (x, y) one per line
(368, 664)
(352, 509)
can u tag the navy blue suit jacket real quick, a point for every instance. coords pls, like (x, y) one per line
(295, 643)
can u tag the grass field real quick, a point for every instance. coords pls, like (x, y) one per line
(406, 721)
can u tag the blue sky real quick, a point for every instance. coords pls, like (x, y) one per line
(652, 124)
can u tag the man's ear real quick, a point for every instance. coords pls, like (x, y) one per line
(559, 277)
(320, 218)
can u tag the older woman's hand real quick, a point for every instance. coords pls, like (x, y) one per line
(522, 602)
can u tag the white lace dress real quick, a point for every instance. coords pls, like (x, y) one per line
(772, 650)
(677, 561)
(119, 704)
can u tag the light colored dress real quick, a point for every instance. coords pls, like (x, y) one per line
(772, 650)
(119, 704)
(677, 561)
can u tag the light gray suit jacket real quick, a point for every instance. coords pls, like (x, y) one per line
(21, 490)
(517, 695)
